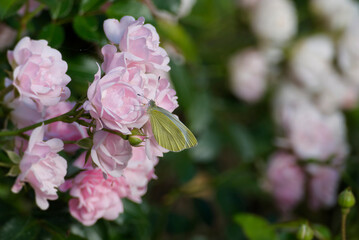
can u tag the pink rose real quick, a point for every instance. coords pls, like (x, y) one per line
(166, 96)
(25, 112)
(285, 180)
(115, 100)
(62, 130)
(248, 72)
(323, 186)
(137, 174)
(110, 153)
(39, 72)
(139, 40)
(96, 197)
(42, 168)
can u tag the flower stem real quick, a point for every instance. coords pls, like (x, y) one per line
(68, 117)
(344, 220)
(26, 18)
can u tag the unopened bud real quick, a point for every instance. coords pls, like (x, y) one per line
(346, 199)
(135, 140)
(305, 233)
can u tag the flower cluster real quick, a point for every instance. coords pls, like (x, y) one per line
(311, 94)
(121, 149)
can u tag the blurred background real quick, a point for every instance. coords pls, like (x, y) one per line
(270, 89)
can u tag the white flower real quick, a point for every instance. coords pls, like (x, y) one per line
(274, 20)
(338, 14)
(311, 61)
(248, 71)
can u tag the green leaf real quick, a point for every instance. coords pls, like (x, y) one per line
(321, 232)
(86, 28)
(128, 7)
(19, 229)
(54, 34)
(82, 69)
(176, 34)
(59, 8)
(209, 145)
(13, 156)
(88, 5)
(10, 7)
(241, 141)
(14, 171)
(255, 227)
(85, 143)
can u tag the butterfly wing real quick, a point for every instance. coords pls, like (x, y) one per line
(169, 131)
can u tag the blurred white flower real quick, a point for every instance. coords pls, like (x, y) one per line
(348, 53)
(338, 14)
(247, 3)
(336, 93)
(314, 135)
(248, 71)
(274, 20)
(311, 61)
(289, 98)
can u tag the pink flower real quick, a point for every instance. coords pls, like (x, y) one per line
(7, 36)
(39, 72)
(33, 4)
(96, 197)
(285, 180)
(166, 96)
(115, 100)
(62, 130)
(323, 186)
(42, 168)
(137, 174)
(139, 40)
(248, 71)
(153, 150)
(25, 112)
(110, 153)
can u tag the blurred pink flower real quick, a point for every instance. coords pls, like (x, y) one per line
(7, 36)
(62, 130)
(42, 168)
(115, 100)
(33, 4)
(95, 197)
(110, 153)
(248, 70)
(285, 181)
(39, 72)
(323, 186)
(24, 112)
(139, 40)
